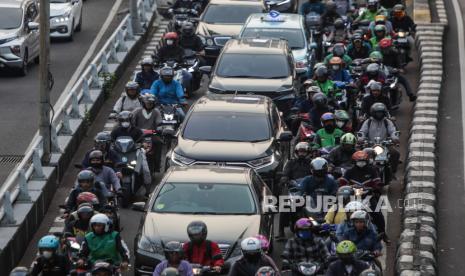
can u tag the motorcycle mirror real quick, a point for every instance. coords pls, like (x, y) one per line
(205, 70)
(285, 136)
(138, 206)
(360, 134)
(78, 166)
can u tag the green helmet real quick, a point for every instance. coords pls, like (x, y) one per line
(348, 138)
(346, 247)
(376, 55)
(379, 28)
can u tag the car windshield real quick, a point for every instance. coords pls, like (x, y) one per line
(10, 18)
(294, 37)
(205, 198)
(229, 14)
(253, 66)
(227, 126)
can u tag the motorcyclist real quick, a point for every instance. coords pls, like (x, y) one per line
(346, 264)
(304, 246)
(264, 243)
(373, 9)
(149, 117)
(320, 107)
(174, 259)
(86, 183)
(330, 15)
(81, 226)
(252, 259)
(102, 142)
(381, 20)
(401, 21)
(129, 100)
(340, 33)
(339, 50)
(103, 244)
(312, 6)
(126, 128)
(329, 136)
(147, 75)
(320, 183)
(358, 48)
(169, 91)
(364, 237)
(375, 96)
(104, 174)
(391, 57)
(372, 72)
(379, 33)
(189, 40)
(49, 262)
(338, 71)
(341, 156)
(336, 214)
(201, 251)
(299, 166)
(343, 120)
(349, 209)
(194, 6)
(383, 128)
(326, 85)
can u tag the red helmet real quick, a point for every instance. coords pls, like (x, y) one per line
(87, 197)
(171, 35)
(360, 156)
(385, 43)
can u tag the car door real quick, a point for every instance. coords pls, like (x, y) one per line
(263, 194)
(32, 36)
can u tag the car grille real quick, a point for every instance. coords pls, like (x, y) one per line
(221, 40)
(224, 249)
(223, 164)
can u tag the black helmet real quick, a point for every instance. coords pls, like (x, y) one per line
(102, 140)
(339, 23)
(173, 247)
(96, 154)
(321, 71)
(331, 6)
(166, 72)
(378, 111)
(188, 29)
(150, 98)
(197, 231)
(86, 176)
(373, 69)
(319, 99)
(339, 50)
(170, 271)
(102, 266)
(124, 118)
(20, 271)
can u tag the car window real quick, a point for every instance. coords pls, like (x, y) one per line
(253, 66)
(294, 37)
(275, 118)
(198, 198)
(10, 18)
(31, 13)
(227, 126)
(229, 14)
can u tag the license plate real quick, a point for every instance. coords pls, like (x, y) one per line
(402, 40)
(169, 121)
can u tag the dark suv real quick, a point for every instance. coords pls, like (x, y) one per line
(263, 66)
(234, 130)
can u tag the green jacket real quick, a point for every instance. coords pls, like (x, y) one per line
(369, 15)
(326, 87)
(103, 247)
(374, 42)
(329, 140)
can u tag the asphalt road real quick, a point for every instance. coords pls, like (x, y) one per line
(450, 184)
(19, 96)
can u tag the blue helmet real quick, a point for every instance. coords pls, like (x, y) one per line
(49, 242)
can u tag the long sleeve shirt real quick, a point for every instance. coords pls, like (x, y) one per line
(171, 93)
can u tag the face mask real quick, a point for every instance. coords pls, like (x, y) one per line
(335, 67)
(379, 115)
(304, 235)
(96, 165)
(361, 164)
(125, 124)
(253, 258)
(329, 128)
(47, 254)
(340, 124)
(167, 80)
(169, 42)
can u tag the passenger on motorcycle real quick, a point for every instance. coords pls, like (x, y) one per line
(252, 259)
(349, 209)
(336, 214)
(338, 71)
(49, 262)
(330, 15)
(305, 246)
(379, 33)
(103, 244)
(174, 259)
(201, 251)
(330, 135)
(169, 91)
(346, 264)
(86, 183)
(102, 142)
(339, 50)
(320, 107)
(299, 166)
(147, 76)
(373, 9)
(312, 6)
(343, 120)
(126, 128)
(358, 48)
(264, 243)
(381, 20)
(364, 237)
(320, 183)
(375, 96)
(129, 100)
(111, 212)
(104, 174)
(341, 156)
(80, 226)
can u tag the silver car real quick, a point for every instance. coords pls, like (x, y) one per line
(19, 34)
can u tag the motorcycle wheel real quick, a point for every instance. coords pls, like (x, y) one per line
(126, 195)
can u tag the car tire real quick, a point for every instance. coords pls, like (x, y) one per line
(71, 34)
(79, 26)
(23, 70)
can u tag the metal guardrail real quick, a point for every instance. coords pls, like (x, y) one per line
(15, 186)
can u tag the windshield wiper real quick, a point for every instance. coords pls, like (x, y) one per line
(241, 76)
(201, 213)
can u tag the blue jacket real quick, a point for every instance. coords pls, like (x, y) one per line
(367, 240)
(342, 228)
(341, 75)
(308, 7)
(171, 93)
(310, 186)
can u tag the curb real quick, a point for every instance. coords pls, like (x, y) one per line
(416, 250)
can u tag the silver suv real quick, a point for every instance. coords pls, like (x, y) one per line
(19, 34)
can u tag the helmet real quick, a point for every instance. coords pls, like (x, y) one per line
(101, 266)
(374, 85)
(85, 208)
(100, 219)
(378, 111)
(385, 43)
(317, 65)
(346, 247)
(370, 272)
(380, 19)
(319, 167)
(147, 61)
(359, 215)
(339, 50)
(302, 146)
(342, 117)
(48, 242)
(124, 118)
(349, 139)
(304, 228)
(173, 247)
(171, 36)
(150, 98)
(345, 192)
(319, 99)
(132, 85)
(96, 154)
(376, 56)
(380, 28)
(372, 3)
(398, 11)
(170, 271)
(321, 71)
(251, 245)
(87, 197)
(328, 116)
(167, 72)
(357, 36)
(339, 23)
(354, 206)
(265, 271)
(86, 176)
(331, 5)
(188, 29)
(360, 155)
(20, 271)
(102, 140)
(373, 69)
(197, 231)
(264, 242)
(336, 63)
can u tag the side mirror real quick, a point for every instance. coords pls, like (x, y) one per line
(33, 26)
(138, 206)
(360, 135)
(205, 70)
(300, 70)
(285, 136)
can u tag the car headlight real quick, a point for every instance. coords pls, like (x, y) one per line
(146, 245)
(209, 42)
(61, 19)
(181, 160)
(261, 162)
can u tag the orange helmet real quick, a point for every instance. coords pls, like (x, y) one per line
(336, 60)
(360, 156)
(380, 19)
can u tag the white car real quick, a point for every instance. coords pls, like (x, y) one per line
(65, 18)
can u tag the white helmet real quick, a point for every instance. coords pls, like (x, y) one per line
(147, 61)
(319, 164)
(354, 206)
(359, 215)
(251, 245)
(101, 219)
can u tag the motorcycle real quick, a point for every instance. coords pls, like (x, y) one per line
(403, 46)
(313, 23)
(198, 270)
(191, 63)
(183, 15)
(340, 96)
(306, 268)
(370, 258)
(393, 88)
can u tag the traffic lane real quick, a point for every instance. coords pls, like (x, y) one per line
(450, 184)
(19, 96)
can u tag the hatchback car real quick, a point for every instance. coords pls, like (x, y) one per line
(257, 66)
(232, 130)
(65, 18)
(221, 20)
(19, 35)
(231, 202)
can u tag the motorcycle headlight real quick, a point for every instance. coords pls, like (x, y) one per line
(307, 270)
(209, 42)
(133, 163)
(392, 85)
(181, 160)
(262, 162)
(378, 149)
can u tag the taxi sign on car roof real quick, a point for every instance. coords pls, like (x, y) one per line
(273, 16)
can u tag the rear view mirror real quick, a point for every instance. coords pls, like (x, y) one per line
(205, 69)
(285, 136)
(33, 26)
(138, 206)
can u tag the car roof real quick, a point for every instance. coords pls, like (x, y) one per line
(208, 174)
(232, 103)
(290, 21)
(12, 3)
(248, 45)
(236, 2)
